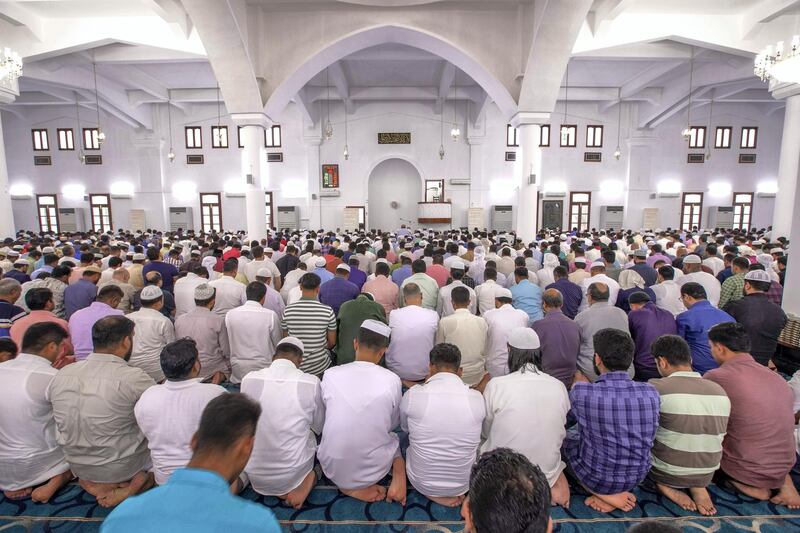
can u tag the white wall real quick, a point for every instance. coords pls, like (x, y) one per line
(393, 180)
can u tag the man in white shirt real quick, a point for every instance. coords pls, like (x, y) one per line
(693, 272)
(362, 408)
(444, 305)
(413, 335)
(486, 290)
(184, 290)
(253, 333)
(272, 300)
(713, 261)
(598, 271)
(31, 462)
(282, 462)
(501, 321)
(443, 419)
(668, 293)
(153, 332)
(259, 262)
(526, 411)
(169, 414)
(468, 333)
(230, 293)
(292, 281)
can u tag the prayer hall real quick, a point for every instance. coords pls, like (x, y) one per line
(399, 266)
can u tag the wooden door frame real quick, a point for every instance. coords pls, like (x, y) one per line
(110, 211)
(589, 204)
(219, 195)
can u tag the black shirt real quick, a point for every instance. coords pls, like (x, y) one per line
(763, 321)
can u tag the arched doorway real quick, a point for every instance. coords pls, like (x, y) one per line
(395, 187)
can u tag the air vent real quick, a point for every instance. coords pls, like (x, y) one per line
(177, 209)
(747, 158)
(592, 157)
(511, 156)
(42, 160)
(275, 157)
(286, 209)
(194, 159)
(696, 158)
(93, 160)
(66, 211)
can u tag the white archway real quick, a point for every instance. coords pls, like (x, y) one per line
(289, 87)
(394, 186)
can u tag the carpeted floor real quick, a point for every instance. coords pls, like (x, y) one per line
(327, 510)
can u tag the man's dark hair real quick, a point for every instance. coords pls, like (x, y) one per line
(731, 335)
(108, 292)
(560, 272)
(419, 267)
(310, 281)
(446, 356)
(694, 290)
(200, 271)
(672, 348)
(460, 296)
(108, 332)
(36, 299)
(741, 263)
(255, 291)
(87, 257)
(178, 357)
(666, 272)
(520, 357)
(226, 419)
(490, 273)
(40, 335)
(60, 271)
(152, 254)
(49, 259)
(508, 494)
(609, 256)
(521, 272)
(599, 292)
(371, 340)
(230, 265)
(8, 345)
(381, 269)
(615, 348)
(288, 350)
(114, 262)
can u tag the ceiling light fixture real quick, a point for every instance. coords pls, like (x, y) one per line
(441, 146)
(171, 153)
(708, 129)
(455, 133)
(328, 132)
(564, 128)
(687, 131)
(218, 135)
(346, 151)
(773, 64)
(10, 65)
(81, 155)
(618, 151)
(100, 135)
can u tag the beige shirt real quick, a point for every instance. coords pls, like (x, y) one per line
(93, 404)
(153, 332)
(137, 280)
(468, 332)
(128, 290)
(208, 331)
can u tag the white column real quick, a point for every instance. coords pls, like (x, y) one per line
(527, 204)
(152, 192)
(7, 228)
(314, 177)
(254, 164)
(476, 134)
(786, 200)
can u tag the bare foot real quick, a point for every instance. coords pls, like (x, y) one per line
(45, 492)
(18, 494)
(140, 483)
(559, 492)
(369, 494)
(454, 501)
(297, 497)
(678, 496)
(788, 495)
(703, 501)
(749, 490)
(598, 505)
(624, 501)
(397, 488)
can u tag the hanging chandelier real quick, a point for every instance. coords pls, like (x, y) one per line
(687, 131)
(773, 64)
(346, 152)
(455, 133)
(81, 155)
(10, 65)
(441, 146)
(564, 127)
(618, 151)
(171, 153)
(101, 136)
(328, 131)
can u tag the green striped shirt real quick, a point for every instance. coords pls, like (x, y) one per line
(309, 320)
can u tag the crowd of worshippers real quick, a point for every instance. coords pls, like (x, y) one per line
(603, 358)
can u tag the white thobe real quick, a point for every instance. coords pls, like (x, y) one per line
(183, 291)
(252, 268)
(274, 302)
(468, 333)
(500, 322)
(29, 452)
(485, 294)
(710, 284)
(613, 289)
(230, 294)
(668, 297)
(444, 304)
(285, 446)
(169, 416)
(292, 280)
(362, 409)
(716, 264)
(413, 335)
(253, 333)
(153, 332)
(526, 411)
(443, 419)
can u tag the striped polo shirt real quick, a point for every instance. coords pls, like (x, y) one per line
(309, 320)
(692, 424)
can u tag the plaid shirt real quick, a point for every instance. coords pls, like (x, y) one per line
(732, 290)
(617, 419)
(775, 293)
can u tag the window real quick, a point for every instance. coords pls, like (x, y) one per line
(219, 137)
(594, 136)
(65, 139)
(194, 137)
(697, 137)
(580, 204)
(47, 205)
(512, 136)
(691, 206)
(742, 210)
(434, 190)
(90, 139)
(544, 135)
(40, 141)
(239, 136)
(272, 137)
(211, 211)
(100, 206)
(569, 134)
(749, 138)
(270, 225)
(722, 138)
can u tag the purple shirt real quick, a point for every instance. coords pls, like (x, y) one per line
(167, 271)
(400, 275)
(357, 277)
(78, 296)
(658, 257)
(560, 340)
(81, 323)
(336, 292)
(571, 293)
(646, 325)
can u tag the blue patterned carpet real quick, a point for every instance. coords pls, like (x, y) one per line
(327, 510)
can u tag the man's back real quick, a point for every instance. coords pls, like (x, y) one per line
(560, 340)
(184, 293)
(81, 323)
(693, 326)
(208, 330)
(501, 322)
(528, 298)
(253, 333)
(763, 321)
(351, 315)
(468, 332)
(598, 316)
(310, 321)
(230, 294)
(413, 336)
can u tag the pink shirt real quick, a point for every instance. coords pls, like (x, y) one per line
(384, 291)
(19, 328)
(439, 273)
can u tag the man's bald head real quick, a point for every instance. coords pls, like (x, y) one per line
(552, 300)
(122, 275)
(598, 292)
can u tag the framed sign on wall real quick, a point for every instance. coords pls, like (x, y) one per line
(330, 176)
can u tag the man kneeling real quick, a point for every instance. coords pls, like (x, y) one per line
(362, 404)
(97, 431)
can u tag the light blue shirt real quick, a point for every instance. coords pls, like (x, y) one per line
(323, 274)
(528, 297)
(193, 500)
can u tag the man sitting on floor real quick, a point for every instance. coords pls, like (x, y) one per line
(609, 449)
(362, 404)
(443, 418)
(282, 463)
(31, 462)
(692, 424)
(169, 414)
(759, 449)
(153, 332)
(98, 432)
(197, 498)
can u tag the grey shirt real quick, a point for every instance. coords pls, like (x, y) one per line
(597, 316)
(208, 331)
